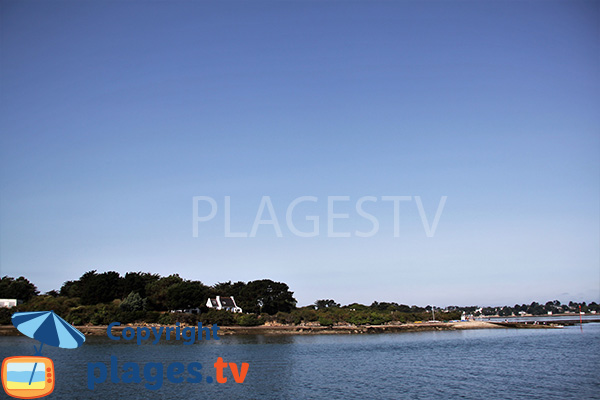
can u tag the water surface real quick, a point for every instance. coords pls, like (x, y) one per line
(474, 364)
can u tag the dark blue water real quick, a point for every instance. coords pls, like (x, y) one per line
(476, 364)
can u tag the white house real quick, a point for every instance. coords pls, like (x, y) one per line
(8, 303)
(223, 303)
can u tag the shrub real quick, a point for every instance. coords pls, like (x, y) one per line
(288, 318)
(104, 314)
(80, 315)
(219, 317)
(358, 318)
(306, 314)
(248, 320)
(5, 314)
(133, 302)
(166, 319)
(60, 305)
(185, 318)
(127, 317)
(378, 318)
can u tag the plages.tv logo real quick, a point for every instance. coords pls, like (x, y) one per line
(32, 377)
(152, 374)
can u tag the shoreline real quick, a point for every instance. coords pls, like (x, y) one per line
(100, 330)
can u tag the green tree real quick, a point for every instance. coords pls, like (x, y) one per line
(226, 289)
(6, 314)
(383, 306)
(535, 309)
(307, 314)
(247, 320)
(70, 289)
(359, 307)
(97, 288)
(104, 314)
(80, 315)
(157, 291)
(60, 305)
(219, 317)
(266, 296)
(505, 312)
(133, 302)
(20, 288)
(137, 282)
(186, 294)
(324, 304)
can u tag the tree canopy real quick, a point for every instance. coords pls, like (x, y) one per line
(267, 296)
(20, 288)
(100, 298)
(260, 296)
(175, 293)
(327, 303)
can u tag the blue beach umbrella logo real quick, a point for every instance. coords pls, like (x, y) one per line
(48, 328)
(33, 377)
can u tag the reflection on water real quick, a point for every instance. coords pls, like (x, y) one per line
(495, 364)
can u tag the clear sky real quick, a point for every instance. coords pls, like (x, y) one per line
(114, 115)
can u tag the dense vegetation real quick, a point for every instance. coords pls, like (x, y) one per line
(100, 298)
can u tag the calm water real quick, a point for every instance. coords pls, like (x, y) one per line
(477, 364)
(545, 318)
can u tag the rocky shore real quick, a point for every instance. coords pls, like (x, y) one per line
(9, 330)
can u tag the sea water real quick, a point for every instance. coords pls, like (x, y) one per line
(471, 364)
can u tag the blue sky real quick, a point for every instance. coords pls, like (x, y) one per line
(115, 114)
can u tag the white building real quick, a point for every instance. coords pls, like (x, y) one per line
(223, 303)
(8, 303)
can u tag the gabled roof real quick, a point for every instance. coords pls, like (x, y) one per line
(227, 302)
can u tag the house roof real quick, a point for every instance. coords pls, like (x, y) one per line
(227, 302)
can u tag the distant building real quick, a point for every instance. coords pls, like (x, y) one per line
(187, 311)
(223, 303)
(467, 317)
(8, 303)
